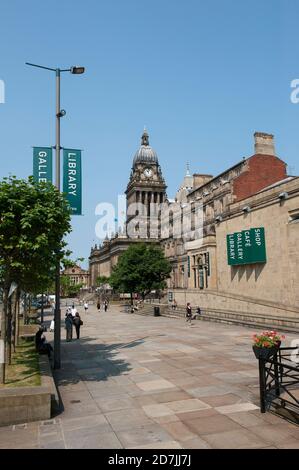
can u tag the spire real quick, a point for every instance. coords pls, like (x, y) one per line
(188, 170)
(145, 138)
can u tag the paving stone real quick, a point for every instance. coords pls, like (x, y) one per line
(156, 411)
(127, 419)
(152, 434)
(272, 434)
(117, 403)
(241, 439)
(52, 445)
(165, 397)
(179, 431)
(160, 445)
(196, 443)
(247, 419)
(212, 424)
(71, 424)
(222, 400)
(155, 385)
(212, 390)
(188, 416)
(107, 440)
(183, 406)
(236, 408)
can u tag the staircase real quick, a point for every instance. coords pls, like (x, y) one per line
(246, 319)
(253, 320)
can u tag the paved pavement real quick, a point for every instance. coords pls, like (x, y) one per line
(151, 382)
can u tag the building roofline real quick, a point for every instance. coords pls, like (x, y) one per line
(218, 176)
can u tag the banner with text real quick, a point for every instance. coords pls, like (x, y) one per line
(42, 164)
(247, 247)
(72, 179)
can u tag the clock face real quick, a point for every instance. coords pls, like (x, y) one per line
(148, 172)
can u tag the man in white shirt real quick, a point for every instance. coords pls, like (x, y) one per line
(73, 311)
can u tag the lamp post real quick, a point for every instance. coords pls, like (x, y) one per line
(75, 70)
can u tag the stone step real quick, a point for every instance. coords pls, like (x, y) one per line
(266, 322)
(243, 319)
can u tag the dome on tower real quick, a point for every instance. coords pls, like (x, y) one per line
(145, 154)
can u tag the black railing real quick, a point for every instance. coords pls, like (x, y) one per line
(279, 384)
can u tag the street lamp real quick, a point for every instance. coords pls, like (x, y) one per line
(75, 70)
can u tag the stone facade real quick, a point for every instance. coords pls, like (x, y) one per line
(216, 195)
(254, 193)
(77, 275)
(278, 279)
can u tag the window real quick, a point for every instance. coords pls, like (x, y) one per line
(294, 216)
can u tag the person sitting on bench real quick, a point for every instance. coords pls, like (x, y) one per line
(41, 345)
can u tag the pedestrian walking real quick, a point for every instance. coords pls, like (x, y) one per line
(73, 311)
(69, 327)
(86, 307)
(98, 305)
(189, 313)
(105, 305)
(78, 323)
(174, 304)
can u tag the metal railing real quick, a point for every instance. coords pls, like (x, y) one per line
(279, 384)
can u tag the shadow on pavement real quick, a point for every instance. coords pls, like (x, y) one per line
(85, 361)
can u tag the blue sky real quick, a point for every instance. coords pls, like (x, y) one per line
(203, 76)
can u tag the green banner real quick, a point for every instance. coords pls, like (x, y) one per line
(231, 250)
(72, 179)
(246, 247)
(42, 164)
(258, 245)
(239, 241)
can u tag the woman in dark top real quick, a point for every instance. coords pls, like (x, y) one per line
(78, 322)
(188, 313)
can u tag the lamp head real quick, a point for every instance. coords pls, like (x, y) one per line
(62, 113)
(283, 196)
(77, 70)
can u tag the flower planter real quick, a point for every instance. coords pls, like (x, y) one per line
(265, 353)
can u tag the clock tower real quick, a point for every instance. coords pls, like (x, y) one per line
(145, 193)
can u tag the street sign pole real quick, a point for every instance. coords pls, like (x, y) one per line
(75, 70)
(57, 316)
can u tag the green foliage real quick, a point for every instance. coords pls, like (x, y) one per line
(68, 289)
(69, 263)
(100, 280)
(140, 269)
(34, 217)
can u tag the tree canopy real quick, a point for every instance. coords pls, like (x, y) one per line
(140, 269)
(34, 217)
(101, 280)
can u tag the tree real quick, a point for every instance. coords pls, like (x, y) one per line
(101, 280)
(34, 217)
(140, 269)
(68, 289)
